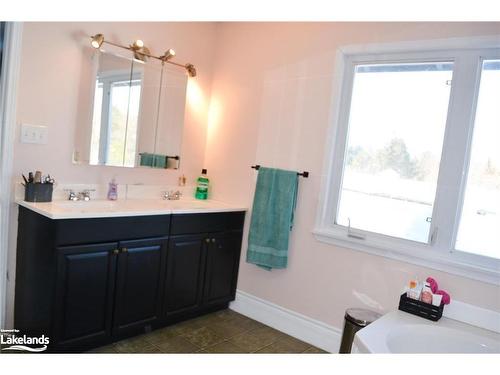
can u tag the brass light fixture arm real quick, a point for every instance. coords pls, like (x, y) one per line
(189, 67)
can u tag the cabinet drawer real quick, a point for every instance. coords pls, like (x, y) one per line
(203, 223)
(80, 231)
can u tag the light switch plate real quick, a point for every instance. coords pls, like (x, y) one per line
(34, 134)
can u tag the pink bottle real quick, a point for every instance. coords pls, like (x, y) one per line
(113, 190)
(426, 294)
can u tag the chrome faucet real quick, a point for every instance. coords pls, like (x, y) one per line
(72, 196)
(83, 195)
(172, 195)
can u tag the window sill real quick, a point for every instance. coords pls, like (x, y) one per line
(418, 254)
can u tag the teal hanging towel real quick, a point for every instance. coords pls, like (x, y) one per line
(272, 218)
(153, 160)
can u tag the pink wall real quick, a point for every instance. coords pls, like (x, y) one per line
(271, 102)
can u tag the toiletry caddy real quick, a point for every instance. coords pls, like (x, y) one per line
(419, 308)
(424, 299)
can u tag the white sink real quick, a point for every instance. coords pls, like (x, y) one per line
(434, 339)
(84, 206)
(399, 332)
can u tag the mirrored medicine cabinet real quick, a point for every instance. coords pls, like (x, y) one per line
(134, 114)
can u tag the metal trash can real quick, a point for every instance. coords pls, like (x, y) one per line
(354, 320)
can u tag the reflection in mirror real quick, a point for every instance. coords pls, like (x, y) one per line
(116, 110)
(137, 116)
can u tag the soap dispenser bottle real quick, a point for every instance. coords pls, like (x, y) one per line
(202, 185)
(113, 190)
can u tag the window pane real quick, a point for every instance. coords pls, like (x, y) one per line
(133, 115)
(119, 94)
(396, 127)
(479, 229)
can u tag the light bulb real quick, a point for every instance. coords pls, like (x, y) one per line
(97, 41)
(169, 54)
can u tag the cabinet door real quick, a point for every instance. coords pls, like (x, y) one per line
(223, 257)
(141, 267)
(84, 295)
(185, 267)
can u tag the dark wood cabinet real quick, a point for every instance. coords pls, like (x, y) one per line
(139, 286)
(84, 288)
(221, 275)
(202, 271)
(185, 268)
(88, 282)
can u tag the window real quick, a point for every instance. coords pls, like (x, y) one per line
(479, 230)
(115, 118)
(394, 148)
(414, 167)
(124, 111)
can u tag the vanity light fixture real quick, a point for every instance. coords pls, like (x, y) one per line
(191, 70)
(138, 44)
(141, 52)
(169, 54)
(97, 41)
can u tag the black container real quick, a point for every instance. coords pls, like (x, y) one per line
(38, 192)
(419, 308)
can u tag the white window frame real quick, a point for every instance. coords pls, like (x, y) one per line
(11, 65)
(439, 253)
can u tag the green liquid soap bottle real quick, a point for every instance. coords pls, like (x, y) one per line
(202, 186)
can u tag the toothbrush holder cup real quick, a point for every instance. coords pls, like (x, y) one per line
(35, 192)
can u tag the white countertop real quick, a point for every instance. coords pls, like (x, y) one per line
(126, 207)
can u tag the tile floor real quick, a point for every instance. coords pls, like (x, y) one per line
(221, 332)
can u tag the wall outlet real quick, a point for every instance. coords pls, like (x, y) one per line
(34, 134)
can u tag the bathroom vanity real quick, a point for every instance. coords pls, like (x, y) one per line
(87, 277)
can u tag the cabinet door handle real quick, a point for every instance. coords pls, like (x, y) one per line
(116, 251)
(124, 250)
(213, 240)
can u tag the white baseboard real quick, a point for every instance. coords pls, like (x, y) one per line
(294, 324)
